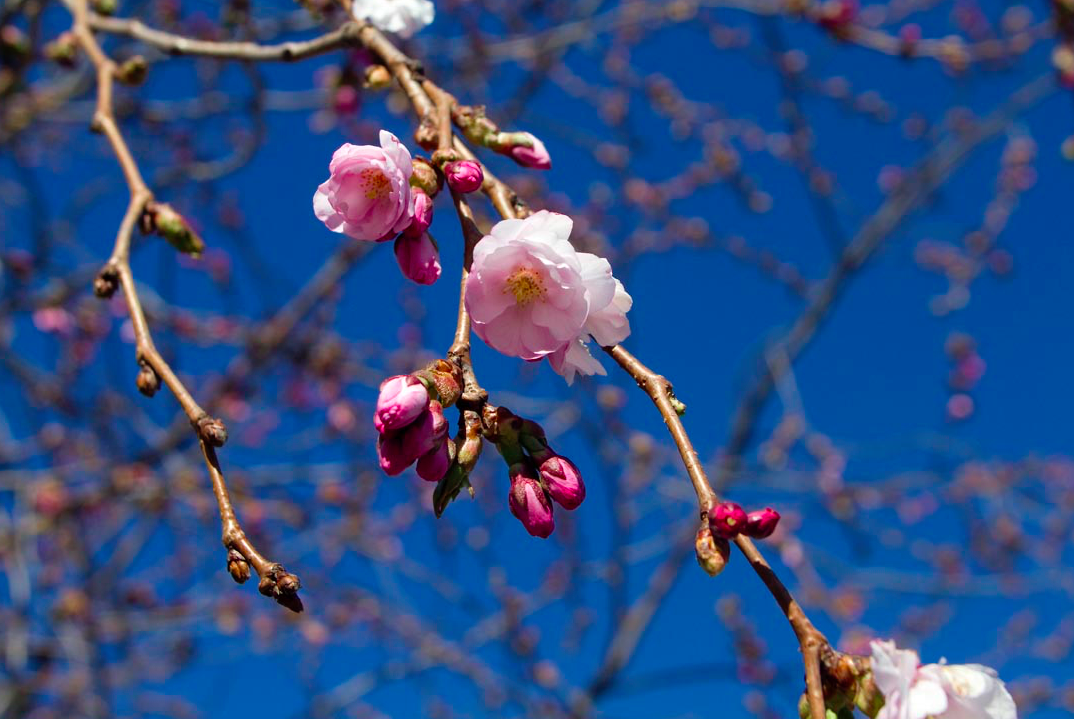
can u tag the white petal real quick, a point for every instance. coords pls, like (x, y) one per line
(574, 358)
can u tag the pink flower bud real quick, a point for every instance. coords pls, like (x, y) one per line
(423, 214)
(418, 258)
(464, 175)
(345, 100)
(762, 523)
(563, 480)
(434, 464)
(535, 157)
(727, 520)
(398, 450)
(528, 501)
(402, 398)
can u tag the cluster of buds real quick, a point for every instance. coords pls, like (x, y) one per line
(727, 520)
(522, 147)
(539, 476)
(410, 419)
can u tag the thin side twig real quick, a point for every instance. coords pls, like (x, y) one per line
(275, 581)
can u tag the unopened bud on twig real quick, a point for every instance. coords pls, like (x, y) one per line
(425, 177)
(727, 520)
(761, 524)
(282, 586)
(104, 7)
(237, 566)
(148, 381)
(713, 553)
(63, 50)
(162, 219)
(212, 430)
(444, 379)
(464, 175)
(448, 488)
(133, 71)
(106, 283)
(376, 77)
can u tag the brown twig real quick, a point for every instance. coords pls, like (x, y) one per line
(473, 395)
(211, 432)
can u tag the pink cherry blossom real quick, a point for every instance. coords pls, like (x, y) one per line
(973, 691)
(908, 693)
(526, 293)
(418, 258)
(367, 195)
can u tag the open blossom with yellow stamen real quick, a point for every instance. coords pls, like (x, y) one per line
(531, 295)
(368, 194)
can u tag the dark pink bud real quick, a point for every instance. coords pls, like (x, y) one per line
(418, 258)
(400, 449)
(345, 100)
(727, 520)
(562, 480)
(762, 523)
(464, 175)
(434, 464)
(402, 398)
(529, 502)
(423, 214)
(534, 156)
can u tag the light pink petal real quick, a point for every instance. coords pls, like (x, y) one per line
(397, 153)
(596, 274)
(610, 325)
(573, 359)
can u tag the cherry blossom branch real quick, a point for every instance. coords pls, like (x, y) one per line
(210, 431)
(662, 394)
(344, 36)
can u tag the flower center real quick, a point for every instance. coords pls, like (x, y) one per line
(526, 285)
(374, 183)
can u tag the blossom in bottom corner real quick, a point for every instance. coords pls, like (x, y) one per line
(943, 691)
